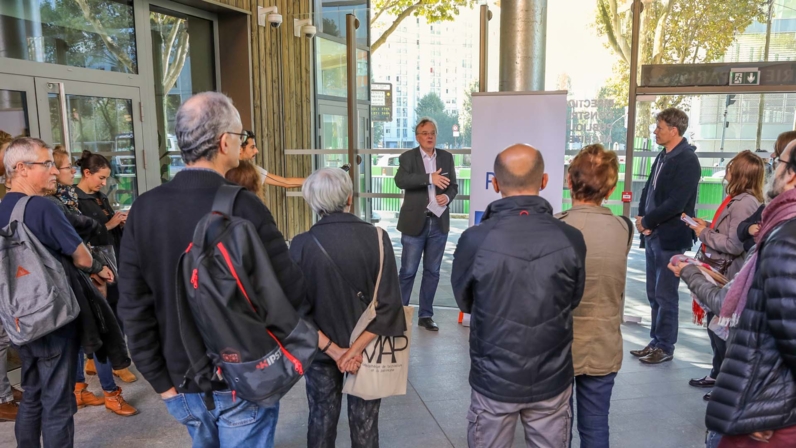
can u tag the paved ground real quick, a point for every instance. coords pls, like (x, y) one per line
(652, 406)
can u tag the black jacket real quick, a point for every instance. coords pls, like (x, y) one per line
(98, 207)
(756, 390)
(675, 193)
(743, 228)
(159, 228)
(331, 303)
(520, 273)
(413, 179)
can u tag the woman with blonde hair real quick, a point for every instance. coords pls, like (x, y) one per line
(597, 337)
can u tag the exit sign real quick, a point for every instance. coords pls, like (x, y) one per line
(745, 77)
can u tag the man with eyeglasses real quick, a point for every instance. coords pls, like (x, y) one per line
(671, 190)
(48, 363)
(160, 226)
(428, 177)
(248, 149)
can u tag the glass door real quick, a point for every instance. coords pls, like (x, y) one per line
(18, 106)
(102, 119)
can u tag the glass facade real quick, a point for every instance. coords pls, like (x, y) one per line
(96, 34)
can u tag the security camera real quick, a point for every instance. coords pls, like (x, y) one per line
(275, 20)
(270, 15)
(304, 28)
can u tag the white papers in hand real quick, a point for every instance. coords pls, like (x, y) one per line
(436, 209)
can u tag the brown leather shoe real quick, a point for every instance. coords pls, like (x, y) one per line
(643, 352)
(125, 375)
(114, 402)
(17, 394)
(656, 357)
(8, 411)
(85, 398)
(91, 369)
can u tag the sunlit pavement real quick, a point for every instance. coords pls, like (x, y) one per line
(652, 406)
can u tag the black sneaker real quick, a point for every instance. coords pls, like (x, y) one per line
(656, 357)
(428, 323)
(643, 352)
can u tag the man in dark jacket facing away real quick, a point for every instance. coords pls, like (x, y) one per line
(520, 273)
(159, 228)
(671, 190)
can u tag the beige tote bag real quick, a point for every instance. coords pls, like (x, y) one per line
(385, 361)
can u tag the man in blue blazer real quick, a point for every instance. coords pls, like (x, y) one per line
(428, 177)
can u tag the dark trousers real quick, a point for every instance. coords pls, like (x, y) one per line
(663, 295)
(48, 378)
(593, 395)
(719, 346)
(430, 245)
(325, 395)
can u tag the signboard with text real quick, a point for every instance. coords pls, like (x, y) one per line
(745, 77)
(782, 73)
(381, 102)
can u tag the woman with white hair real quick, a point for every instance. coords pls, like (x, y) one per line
(341, 254)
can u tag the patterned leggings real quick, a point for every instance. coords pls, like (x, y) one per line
(325, 395)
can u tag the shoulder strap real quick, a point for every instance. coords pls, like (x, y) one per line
(629, 229)
(337, 269)
(201, 370)
(18, 214)
(379, 233)
(225, 199)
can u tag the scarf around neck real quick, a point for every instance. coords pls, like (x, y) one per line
(67, 195)
(781, 209)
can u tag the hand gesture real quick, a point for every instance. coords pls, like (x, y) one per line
(701, 225)
(349, 362)
(439, 180)
(116, 220)
(442, 199)
(106, 274)
(753, 229)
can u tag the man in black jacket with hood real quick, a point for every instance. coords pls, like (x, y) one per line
(671, 190)
(520, 273)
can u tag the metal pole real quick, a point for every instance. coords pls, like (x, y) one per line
(483, 50)
(523, 30)
(67, 139)
(638, 7)
(351, 25)
(724, 124)
(761, 105)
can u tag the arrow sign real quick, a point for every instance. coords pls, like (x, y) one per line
(744, 77)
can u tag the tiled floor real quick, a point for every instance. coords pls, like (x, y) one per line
(652, 406)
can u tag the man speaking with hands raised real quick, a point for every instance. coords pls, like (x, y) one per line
(428, 177)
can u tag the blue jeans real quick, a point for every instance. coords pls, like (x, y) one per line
(663, 295)
(712, 440)
(594, 401)
(48, 378)
(430, 244)
(233, 423)
(104, 372)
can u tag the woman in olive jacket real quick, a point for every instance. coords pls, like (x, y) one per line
(597, 338)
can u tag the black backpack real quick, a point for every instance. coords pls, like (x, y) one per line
(235, 321)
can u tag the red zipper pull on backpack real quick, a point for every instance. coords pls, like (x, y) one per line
(195, 279)
(234, 396)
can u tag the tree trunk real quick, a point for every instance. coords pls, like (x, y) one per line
(388, 32)
(761, 106)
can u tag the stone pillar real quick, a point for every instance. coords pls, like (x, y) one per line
(523, 31)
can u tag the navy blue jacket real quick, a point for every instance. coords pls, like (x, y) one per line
(675, 193)
(520, 273)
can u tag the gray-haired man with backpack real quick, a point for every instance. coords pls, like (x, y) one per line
(49, 358)
(159, 229)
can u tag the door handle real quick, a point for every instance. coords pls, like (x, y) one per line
(64, 116)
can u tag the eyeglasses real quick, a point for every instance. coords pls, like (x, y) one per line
(70, 168)
(244, 137)
(776, 160)
(48, 164)
(427, 134)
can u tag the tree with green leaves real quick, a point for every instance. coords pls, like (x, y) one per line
(393, 12)
(432, 106)
(378, 133)
(672, 32)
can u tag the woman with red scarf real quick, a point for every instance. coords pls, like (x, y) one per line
(721, 248)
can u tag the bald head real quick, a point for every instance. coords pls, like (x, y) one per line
(519, 170)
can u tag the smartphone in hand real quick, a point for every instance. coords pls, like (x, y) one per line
(688, 220)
